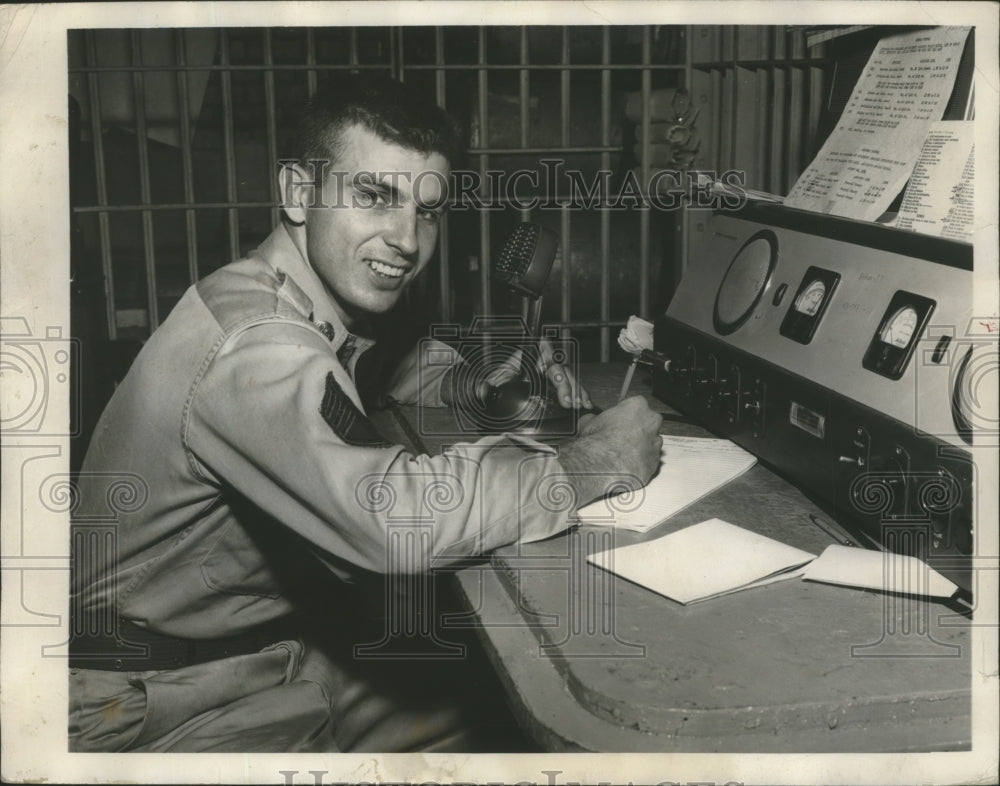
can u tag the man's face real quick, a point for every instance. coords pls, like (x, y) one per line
(381, 224)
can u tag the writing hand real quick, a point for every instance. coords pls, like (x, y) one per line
(620, 447)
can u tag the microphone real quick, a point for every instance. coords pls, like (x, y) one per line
(524, 266)
(526, 260)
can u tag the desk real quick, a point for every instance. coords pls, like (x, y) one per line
(592, 662)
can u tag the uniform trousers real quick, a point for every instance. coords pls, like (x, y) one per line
(313, 694)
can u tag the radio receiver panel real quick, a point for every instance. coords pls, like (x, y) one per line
(832, 349)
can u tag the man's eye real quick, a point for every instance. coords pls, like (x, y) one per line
(369, 197)
(430, 216)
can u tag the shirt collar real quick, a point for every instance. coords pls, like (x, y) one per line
(281, 253)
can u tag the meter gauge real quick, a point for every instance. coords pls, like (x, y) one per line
(745, 281)
(809, 304)
(898, 332)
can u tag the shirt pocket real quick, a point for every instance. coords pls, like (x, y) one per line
(237, 565)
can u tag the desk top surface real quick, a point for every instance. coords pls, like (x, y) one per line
(594, 662)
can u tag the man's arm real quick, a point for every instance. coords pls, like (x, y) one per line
(275, 418)
(619, 449)
(424, 376)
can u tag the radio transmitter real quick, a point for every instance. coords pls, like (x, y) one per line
(834, 351)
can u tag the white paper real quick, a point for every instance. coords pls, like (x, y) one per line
(704, 561)
(939, 197)
(866, 161)
(690, 468)
(878, 570)
(724, 189)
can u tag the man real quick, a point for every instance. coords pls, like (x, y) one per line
(222, 615)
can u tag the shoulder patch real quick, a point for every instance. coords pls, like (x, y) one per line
(347, 421)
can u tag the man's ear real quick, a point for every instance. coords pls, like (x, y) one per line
(296, 189)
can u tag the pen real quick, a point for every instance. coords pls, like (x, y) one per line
(829, 531)
(628, 380)
(647, 357)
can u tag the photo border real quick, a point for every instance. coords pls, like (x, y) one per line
(34, 263)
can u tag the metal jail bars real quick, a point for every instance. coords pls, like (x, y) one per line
(184, 129)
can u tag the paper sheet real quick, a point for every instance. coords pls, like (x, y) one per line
(903, 90)
(690, 468)
(704, 561)
(877, 570)
(939, 197)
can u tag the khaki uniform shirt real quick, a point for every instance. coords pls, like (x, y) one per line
(237, 445)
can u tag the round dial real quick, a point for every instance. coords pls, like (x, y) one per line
(744, 283)
(811, 299)
(898, 331)
(977, 383)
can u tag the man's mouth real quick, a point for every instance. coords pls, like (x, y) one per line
(387, 271)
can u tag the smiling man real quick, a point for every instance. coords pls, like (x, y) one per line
(248, 551)
(382, 228)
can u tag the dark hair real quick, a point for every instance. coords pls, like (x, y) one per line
(381, 105)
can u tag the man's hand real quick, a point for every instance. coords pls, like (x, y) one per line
(568, 390)
(620, 447)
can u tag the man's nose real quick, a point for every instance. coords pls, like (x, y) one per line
(401, 233)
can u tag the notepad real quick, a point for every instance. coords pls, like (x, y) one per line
(690, 468)
(704, 561)
(877, 570)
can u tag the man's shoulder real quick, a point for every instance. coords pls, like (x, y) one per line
(250, 289)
